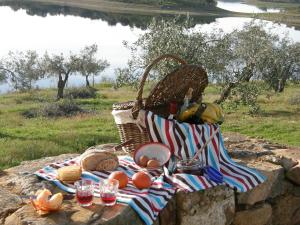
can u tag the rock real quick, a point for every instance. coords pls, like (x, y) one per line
(242, 154)
(168, 216)
(214, 206)
(271, 187)
(293, 153)
(258, 216)
(286, 210)
(273, 146)
(296, 191)
(294, 174)
(286, 163)
(8, 203)
(72, 214)
(26, 215)
(248, 154)
(232, 137)
(21, 180)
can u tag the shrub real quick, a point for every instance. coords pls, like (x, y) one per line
(65, 107)
(34, 97)
(295, 99)
(30, 113)
(246, 94)
(83, 92)
(62, 108)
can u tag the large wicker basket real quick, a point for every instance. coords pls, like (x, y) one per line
(172, 88)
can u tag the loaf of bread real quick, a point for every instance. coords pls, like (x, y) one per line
(98, 160)
(69, 174)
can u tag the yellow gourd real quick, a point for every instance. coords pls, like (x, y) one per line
(185, 115)
(212, 113)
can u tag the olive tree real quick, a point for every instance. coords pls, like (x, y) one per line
(173, 37)
(61, 67)
(248, 49)
(282, 63)
(21, 69)
(2, 73)
(88, 64)
(233, 59)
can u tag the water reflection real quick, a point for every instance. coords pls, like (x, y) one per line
(57, 34)
(132, 20)
(244, 8)
(228, 24)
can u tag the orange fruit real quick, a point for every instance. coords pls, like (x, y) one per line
(153, 163)
(141, 180)
(55, 201)
(42, 197)
(143, 160)
(121, 177)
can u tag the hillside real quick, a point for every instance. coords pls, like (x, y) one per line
(143, 7)
(175, 3)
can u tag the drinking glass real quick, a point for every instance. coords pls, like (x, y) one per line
(108, 191)
(191, 166)
(84, 192)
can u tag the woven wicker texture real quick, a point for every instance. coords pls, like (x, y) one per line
(172, 88)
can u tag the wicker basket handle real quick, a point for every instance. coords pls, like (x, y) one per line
(139, 99)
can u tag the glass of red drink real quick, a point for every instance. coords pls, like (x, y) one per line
(108, 191)
(84, 192)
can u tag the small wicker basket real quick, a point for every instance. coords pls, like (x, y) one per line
(172, 88)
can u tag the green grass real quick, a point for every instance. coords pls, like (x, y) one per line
(278, 122)
(25, 139)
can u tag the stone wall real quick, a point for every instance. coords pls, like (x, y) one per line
(277, 201)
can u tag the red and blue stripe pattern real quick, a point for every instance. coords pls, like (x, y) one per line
(185, 139)
(147, 202)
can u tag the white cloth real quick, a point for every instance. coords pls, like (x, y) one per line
(125, 116)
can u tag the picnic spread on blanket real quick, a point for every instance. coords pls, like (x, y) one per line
(171, 141)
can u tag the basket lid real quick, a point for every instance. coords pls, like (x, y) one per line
(174, 86)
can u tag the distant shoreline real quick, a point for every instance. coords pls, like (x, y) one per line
(132, 8)
(290, 16)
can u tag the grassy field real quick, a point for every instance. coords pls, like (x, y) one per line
(25, 139)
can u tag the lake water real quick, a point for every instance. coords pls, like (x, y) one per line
(65, 33)
(244, 8)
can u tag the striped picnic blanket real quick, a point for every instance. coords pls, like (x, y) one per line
(185, 139)
(147, 202)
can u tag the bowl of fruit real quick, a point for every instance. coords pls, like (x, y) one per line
(152, 155)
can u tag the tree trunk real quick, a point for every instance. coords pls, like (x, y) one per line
(61, 86)
(87, 81)
(280, 85)
(225, 93)
(282, 82)
(245, 76)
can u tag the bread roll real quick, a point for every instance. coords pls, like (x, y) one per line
(69, 174)
(98, 160)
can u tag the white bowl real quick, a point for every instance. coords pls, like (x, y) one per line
(153, 150)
